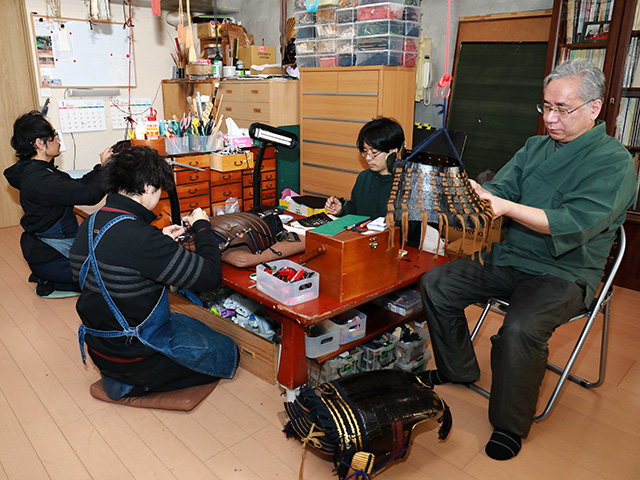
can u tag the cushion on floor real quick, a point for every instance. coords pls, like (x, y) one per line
(185, 399)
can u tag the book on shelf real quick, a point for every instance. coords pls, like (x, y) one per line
(581, 14)
(631, 64)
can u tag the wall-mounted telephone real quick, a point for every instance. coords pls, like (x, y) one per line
(424, 74)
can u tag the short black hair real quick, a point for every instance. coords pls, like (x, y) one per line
(26, 130)
(130, 169)
(382, 133)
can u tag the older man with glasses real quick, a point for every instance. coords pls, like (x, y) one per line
(565, 194)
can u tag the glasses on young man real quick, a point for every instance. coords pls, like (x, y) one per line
(370, 154)
(560, 111)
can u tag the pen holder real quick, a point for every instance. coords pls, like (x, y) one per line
(176, 145)
(201, 143)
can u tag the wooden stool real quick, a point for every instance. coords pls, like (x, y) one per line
(184, 399)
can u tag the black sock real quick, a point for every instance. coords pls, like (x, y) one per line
(503, 445)
(434, 377)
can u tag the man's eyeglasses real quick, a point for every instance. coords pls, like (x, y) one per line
(370, 154)
(560, 111)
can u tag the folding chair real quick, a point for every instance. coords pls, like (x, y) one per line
(601, 304)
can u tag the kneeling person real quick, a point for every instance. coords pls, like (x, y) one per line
(124, 264)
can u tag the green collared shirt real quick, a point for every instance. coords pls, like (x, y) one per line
(584, 189)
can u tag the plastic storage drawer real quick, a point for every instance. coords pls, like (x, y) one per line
(380, 11)
(325, 15)
(381, 42)
(380, 27)
(326, 30)
(346, 30)
(308, 31)
(370, 2)
(322, 339)
(376, 358)
(305, 47)
(411, 13)
(417, 366)
(304, 61)
(346, 59)
(411, 29)
(379, 57)
(289, 293)
(304, 18)
(346, 15)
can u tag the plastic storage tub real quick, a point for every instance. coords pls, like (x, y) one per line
(352, 325)
(411, 44)
(201, 143)
(381, 42)
(346, 30)
(289, 293)
(325, 45)
(411, 29)
(380, 27)
(411, 13)
(369, 2)
(327, 60)
(305, 47)
(380, 11)
(339, 366)
(416, 366)
(346, 15)
(379, 57)
(346, 59)
(304, 18)
(326, 30)
(409, 59)
(347, 3)
(377, 357)
(308, 31)
(322, 339)
(306, 61)
(407, 352)
(325, 15)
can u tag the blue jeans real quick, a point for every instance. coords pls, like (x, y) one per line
(58, 272)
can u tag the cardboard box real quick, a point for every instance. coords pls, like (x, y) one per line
(207, 30)
(267, 71)
(353, 264)
(229, 163)
(299, 209)
(257, 55)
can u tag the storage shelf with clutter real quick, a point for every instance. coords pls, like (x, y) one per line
(348, 33)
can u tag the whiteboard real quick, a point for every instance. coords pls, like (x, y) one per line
(78, 53)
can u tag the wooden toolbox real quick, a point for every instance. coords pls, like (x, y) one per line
(354, 264)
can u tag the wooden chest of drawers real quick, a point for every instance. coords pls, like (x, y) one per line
(274, 102)
(335, 103)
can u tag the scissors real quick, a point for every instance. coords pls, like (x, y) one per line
(185, 124)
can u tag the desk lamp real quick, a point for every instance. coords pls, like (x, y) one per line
(266, 134)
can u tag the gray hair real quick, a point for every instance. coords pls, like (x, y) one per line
(591, 78)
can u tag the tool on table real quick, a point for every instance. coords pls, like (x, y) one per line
(311, 254)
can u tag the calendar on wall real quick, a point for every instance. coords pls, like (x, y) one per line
(122, 107)
(82, 115)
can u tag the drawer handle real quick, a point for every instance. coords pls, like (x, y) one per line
(193, 164)
(237, 163)
(227, 193)
(257, 110)
(226, 177)
(255, 92)
(193, 191)
(229, 90)
(228, 109)
(193, 179)
(194, 205)
(268, 176)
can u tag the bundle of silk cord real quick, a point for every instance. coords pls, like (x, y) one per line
(364, 420)
(435, 189)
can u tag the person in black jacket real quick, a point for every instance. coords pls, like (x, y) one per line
(47, 197)
(124, 264)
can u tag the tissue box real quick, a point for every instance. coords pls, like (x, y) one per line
(229, 163)
(239, 141)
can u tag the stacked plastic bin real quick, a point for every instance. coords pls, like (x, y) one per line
(358, 32)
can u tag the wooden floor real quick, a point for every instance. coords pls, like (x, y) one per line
(50, 427)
